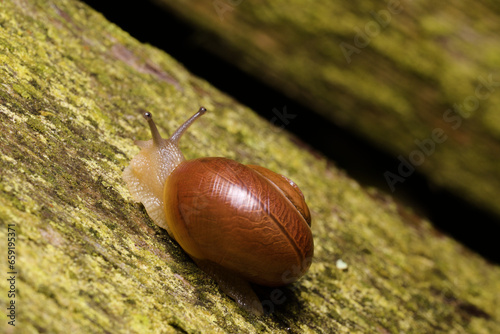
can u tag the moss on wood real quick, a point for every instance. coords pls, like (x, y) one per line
(89, 260)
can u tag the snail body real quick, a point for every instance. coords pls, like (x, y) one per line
(239, 223)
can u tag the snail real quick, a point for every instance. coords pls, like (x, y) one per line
(239, 223)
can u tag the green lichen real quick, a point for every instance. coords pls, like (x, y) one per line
(91, 261)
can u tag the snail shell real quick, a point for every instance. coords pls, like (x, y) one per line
(240, 223)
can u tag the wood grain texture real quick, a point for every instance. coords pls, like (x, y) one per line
(225, 212)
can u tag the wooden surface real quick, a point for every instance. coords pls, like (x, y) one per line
(89, 259)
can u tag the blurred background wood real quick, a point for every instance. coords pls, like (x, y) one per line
(394, 73)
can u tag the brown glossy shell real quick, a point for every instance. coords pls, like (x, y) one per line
(289, 189)
(224, 212)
